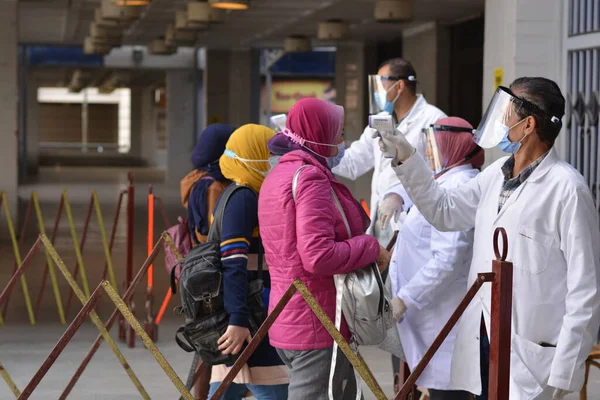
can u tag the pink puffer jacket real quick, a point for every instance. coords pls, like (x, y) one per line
(307, 239)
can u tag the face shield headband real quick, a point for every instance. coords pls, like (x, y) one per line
(494, 125)
(379, 87)
(433, 155)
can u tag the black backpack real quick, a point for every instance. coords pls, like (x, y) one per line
(201, 288)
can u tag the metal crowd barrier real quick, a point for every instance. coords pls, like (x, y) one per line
(89, 303)
(500, 339)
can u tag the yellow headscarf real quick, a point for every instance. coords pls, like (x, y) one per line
(248, 142)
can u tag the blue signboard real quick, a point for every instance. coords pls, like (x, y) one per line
(60, 56)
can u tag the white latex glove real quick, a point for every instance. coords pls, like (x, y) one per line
(559, 394)
(389, 208)
(398, 308)
(394, 145)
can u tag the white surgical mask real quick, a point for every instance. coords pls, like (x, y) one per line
(231, 154)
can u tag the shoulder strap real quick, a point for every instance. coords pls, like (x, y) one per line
(214, 233)
(295, 180)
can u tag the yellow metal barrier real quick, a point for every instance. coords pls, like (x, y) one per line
(17, 252)
(111, 271)
(95, 319)
(88, 309)
(53, 280)
(84, 280)
(13, 388)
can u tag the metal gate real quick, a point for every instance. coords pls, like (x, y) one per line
(582, 125)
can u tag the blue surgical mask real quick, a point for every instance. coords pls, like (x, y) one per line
(333, 162)
(505, 144)
(383, 103)
(273, 160)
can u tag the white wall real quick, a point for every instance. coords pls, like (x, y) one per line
(524, 37)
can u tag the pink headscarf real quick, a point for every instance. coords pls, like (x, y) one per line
(455, 146)
(312, 120)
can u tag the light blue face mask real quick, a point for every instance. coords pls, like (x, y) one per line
(505, 144)
(273, 160)
(383, 103)
(333, 162)
(231, 154)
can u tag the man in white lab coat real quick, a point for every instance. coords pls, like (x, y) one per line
(392, 90)
(549, 214)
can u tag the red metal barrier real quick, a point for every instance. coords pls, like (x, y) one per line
(501, 279)
(123, 331)
(126, 297)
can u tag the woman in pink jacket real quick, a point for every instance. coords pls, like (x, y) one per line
(306, 238)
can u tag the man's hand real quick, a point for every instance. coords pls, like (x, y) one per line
(394, 145)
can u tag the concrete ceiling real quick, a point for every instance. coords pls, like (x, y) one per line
(264, 24)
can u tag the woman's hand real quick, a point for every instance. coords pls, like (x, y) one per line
(233, 339)
(383, 259)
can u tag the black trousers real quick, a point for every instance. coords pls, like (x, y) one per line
(448, 395)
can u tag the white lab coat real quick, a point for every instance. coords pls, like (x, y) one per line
(364, 154)
(430, 275)
(553, 243)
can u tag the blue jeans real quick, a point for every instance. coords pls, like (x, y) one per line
(238, 391)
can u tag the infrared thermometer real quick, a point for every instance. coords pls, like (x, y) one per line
(278, 122)
(382, 123)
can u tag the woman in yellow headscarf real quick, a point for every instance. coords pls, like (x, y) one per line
(246, 163)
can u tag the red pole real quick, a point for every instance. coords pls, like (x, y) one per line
(38, 302)
(501, 318)
(130, 225)
(149, 325)
(81, 246)
(21, 242)
(20, 271)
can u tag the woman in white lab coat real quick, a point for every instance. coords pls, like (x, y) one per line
(431, 267)
(548, 212)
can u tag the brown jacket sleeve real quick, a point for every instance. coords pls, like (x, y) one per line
(214, 192)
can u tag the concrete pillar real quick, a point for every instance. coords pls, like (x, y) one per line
(216, 82)
(31, 125)
(244, 87)
(8, 101)
(354, 62)
(523, 37)
(231, 82)
(181, 92)
(427, 47)
(137, 95)
(148, 126)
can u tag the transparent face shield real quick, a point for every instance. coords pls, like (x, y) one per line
(433, 154)
(382, 95)
(498, 116)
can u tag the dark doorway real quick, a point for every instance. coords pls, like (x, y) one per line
(466, 70)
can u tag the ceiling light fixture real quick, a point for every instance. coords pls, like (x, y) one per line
(132, 3)
(230, 4)
(393, 10)
(202, 12)
(297, 44)
(333, 29)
